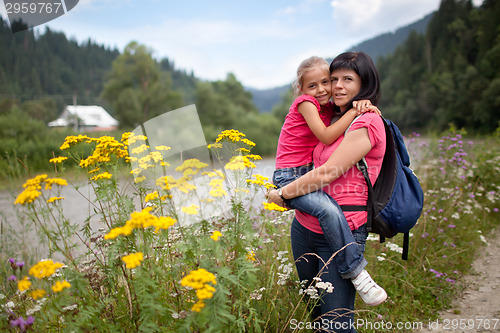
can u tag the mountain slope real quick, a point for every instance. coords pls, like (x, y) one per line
(376, 47)
(387, 43)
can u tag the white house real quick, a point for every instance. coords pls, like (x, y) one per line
(85, 118)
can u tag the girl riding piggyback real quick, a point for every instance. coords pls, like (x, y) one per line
(306, 124)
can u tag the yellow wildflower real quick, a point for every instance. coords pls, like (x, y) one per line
(93, 171)
(29, 195)
(217, 188)
(24, 284)
(183, 185)
(254, 157)
(206, 292)
(273, 206)
(215, 236)
(133, 260)
(138, 150)
(191, 166)
(34, 185)
(164, 223)
(140, 179)
(45, 269)
(36, 294)
(198, 280)
(151, 196)
(142, 219)
(248, 142)
(259, 180)
(129, 138)
(32, 190)
(106, 146)
(104, 175)
(191, 210)
(250, 256)
(217, 192)
(165, 182)
(239, 163)
(156, 156)
(58, 181)
(162, 147)
(73, 140)
(59, 286)
(230, 135)
(198, 306)
(113, 233)
(214, 145)
(54, 199)
(56, 160)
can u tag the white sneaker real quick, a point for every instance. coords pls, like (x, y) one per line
(370, 292)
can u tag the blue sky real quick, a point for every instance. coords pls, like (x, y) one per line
(261, 42)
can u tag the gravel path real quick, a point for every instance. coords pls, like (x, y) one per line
(478, 309)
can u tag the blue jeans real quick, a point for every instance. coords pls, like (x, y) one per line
(349, 259)
(333, 312)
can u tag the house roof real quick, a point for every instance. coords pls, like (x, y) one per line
(89, 115)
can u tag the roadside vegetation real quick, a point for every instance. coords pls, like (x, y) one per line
(197, 250)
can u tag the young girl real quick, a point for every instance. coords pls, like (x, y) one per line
(307, 123)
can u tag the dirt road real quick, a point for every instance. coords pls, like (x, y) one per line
(478, 309)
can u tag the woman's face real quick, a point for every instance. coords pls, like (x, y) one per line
(345, 86)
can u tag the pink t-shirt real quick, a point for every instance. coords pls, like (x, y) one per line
(297, 141)
(351, 188)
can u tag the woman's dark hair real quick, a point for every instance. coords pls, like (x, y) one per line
(362, 64)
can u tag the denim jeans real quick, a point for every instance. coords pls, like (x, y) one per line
(350, 260)
(333, 312)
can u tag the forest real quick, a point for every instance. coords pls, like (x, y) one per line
(448, 75)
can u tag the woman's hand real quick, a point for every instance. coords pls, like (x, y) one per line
(273, 196)
(365, 105)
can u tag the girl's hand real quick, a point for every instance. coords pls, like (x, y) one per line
(365, 105)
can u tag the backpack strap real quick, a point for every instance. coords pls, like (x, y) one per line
(361, 165)
(406, 242)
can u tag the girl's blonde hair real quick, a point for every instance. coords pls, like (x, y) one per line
(304, 66)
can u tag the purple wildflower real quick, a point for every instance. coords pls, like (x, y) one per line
(13, 263)
(436, 273)
(12, 278)
(21, 323)
(451, 226)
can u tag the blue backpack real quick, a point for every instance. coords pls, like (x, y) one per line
(396, 199)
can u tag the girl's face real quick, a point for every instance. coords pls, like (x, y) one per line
(345, 86)
(316, 83)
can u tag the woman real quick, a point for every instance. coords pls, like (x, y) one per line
(354, 77)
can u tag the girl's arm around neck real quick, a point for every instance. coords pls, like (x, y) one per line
(353, 148)
(325, 134)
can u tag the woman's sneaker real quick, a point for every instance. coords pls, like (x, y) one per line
(370, 292)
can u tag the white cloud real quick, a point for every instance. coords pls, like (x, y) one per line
(363, 17)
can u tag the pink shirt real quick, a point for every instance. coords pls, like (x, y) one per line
(296, 142)
(351, 188)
